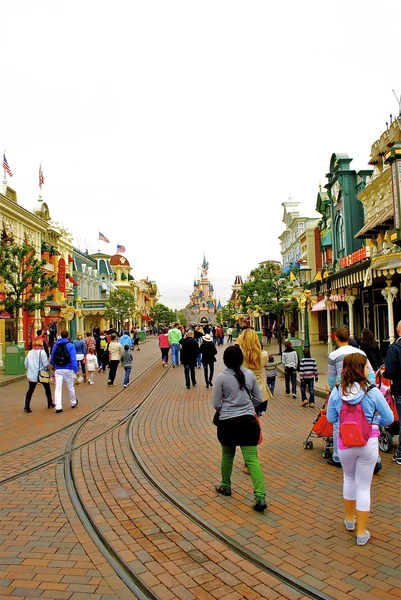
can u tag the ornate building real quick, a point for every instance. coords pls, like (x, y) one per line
(203, 305)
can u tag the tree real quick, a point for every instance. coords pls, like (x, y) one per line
(120, 307)
(226, 314)
(181, 317)
(24, 277)
(267, 290)
(162, 315)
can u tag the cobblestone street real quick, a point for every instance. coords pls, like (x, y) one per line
(116, 500)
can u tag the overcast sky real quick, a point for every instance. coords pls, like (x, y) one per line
(178, 127)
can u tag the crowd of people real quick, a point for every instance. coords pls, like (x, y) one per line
(355, 406)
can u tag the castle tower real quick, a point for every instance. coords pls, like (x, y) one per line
(203, 299)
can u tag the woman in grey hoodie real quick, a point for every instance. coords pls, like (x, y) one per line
(236, 396)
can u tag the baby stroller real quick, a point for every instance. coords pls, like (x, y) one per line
(321, 429)
(387, 433)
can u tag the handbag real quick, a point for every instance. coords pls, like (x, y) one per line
(44, 374)
(216, 418)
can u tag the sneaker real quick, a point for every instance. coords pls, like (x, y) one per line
(59, 410)
(378, 467)
(396, 458)
(28, 410)
(361, 540)
(304, 403)
(74, 405)
(125, 385)
(294, 396)
(91, 383)
(211, 384)
(225, 491)
(260, 505)
(287, 394)
(312, 404)
(349, 525)
(333, 463)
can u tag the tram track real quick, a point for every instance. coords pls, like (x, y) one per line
(63, 430)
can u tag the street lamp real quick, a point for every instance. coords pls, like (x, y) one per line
(304, 279)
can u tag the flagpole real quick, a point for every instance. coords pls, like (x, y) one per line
(98, 239)
(4, 169)
(40, 181)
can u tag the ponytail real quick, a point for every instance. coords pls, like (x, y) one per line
(240, 377)
(233, 359)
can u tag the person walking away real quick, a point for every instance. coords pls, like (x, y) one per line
(64, 361)
(229, 335)
(115, 353)
(189, 355)
(36, 361)
(135, 336)
(393, 371)
(290, 363)
(198, 335)
(174, 337)
(219, 335)
(334, 368)
(90, 341)
(292, 330)
(271, 373)
(371, 348)
(91, 365)
(101, 345)
(214, 334)
(255, 359)
(360, 409)
(236, 395)
(308, 374)
(164, 346)
(80, 351)
(269, 335)
(126, 361)
(208, 352)
(126, 339)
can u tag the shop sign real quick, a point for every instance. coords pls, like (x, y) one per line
(354, 258)
(61, 275)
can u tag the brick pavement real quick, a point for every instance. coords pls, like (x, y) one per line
(301, 531)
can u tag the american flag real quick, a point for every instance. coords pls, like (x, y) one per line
(5, 166)
(41, 177)
(120, 248)
(103, 238)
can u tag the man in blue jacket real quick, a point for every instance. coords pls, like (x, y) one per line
(393, 372)
(64, 361)
(126, 339)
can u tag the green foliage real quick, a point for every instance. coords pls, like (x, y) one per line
(226, 314)
(25, 280)
(162, 315)
(181, 317)
(120, 306)
(267, 290)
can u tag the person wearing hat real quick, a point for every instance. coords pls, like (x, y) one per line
(208, 351)
(189, 355)
(236, 397)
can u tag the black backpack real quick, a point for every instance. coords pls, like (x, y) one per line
(61, 356)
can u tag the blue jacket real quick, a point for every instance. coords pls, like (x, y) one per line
(80, 346)
(393, 367)
(72, 365)
(126, 339)
(372, 402)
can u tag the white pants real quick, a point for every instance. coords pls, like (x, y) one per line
(91, 375)
(358, 465)
(66, 375)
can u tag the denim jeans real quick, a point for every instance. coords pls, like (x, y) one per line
(189, 369)
(127, 375)
(164, 352)
(271, 383)
(175, 354)
(398, 407)
(199, 360)
(290, 378)
(310, 384)
(208, 370)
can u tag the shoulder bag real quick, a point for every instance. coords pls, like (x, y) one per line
(44, 374)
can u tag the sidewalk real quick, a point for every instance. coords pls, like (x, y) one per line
(318, 352)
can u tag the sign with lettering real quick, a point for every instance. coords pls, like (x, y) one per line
(61, 275)
(354, 258)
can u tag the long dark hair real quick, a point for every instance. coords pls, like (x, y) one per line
(367, 337)
(233, 359)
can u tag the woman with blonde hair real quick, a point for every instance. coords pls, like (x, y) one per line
(255, 359)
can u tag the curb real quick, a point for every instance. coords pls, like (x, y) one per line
(320, 392)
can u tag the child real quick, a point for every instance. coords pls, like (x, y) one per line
(271, 373)
(308, 374)
(126, 361)
(91, 364)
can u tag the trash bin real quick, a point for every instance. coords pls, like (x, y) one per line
(235, 334)
(14, 360)
(260, 336)
(297, 346)
(142, 336)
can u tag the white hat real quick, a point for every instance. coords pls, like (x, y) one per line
(207, 337)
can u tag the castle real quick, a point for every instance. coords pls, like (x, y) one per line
(203, 305)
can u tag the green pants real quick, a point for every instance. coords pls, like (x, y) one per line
(250, 454)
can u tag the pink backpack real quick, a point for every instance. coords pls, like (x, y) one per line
(354, 428)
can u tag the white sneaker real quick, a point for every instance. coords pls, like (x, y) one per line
(91, 383)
